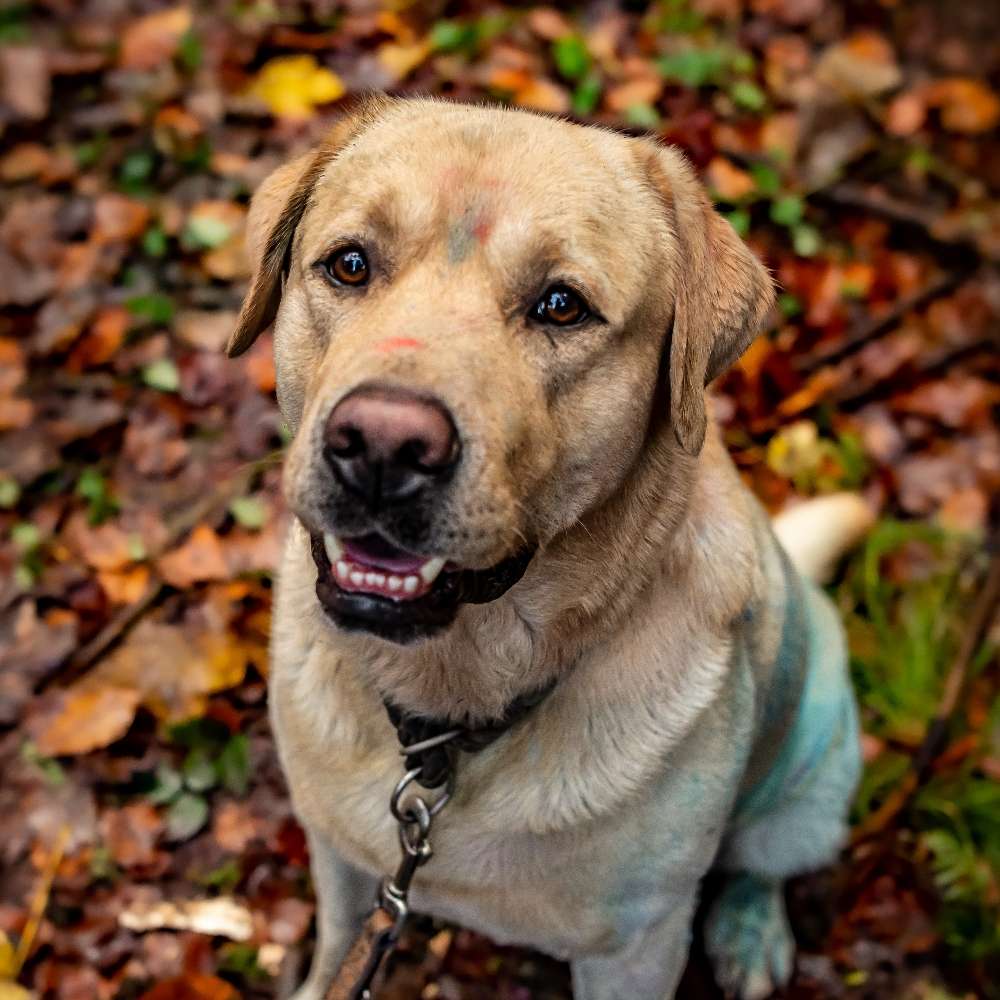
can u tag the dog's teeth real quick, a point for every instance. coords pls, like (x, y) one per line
(379, 580)
(334, 550)
(431, 568)
(395, 583)
(370, 579)
(342, 570)
(410, 584)
(357, 578)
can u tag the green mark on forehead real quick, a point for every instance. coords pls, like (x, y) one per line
(461, 237)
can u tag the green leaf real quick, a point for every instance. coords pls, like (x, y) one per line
(155, 308)
(199, 772)
(190, 52)
(162, 375)
(766, 179)
(806, 239)
(187, 814)
(789, 305)
(210, 734)
(203, 232)
(25, 536)
(694, 67)
(225, 878)
(154, 242)
(234, 765)
(51, 770)
(249, 512)
(586, 95)
(93, 487)
(137, 171)
(10, 493)
(452, 36)
(746, 94)
(571, 56)
(739, 219)
(642, 116)
(168, 785)
(788, 210)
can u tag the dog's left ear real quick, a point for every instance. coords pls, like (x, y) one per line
(275, 211)
(722, 292)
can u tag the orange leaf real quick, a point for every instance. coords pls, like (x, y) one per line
(80, 720)
(727, 180)
(966, 105)
(543, 95)
(152, 40)
(193, 986)
(199, 559)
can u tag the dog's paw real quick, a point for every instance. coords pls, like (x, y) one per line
(748, 938)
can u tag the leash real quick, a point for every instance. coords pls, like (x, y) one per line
(430, 750)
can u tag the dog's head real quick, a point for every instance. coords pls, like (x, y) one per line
(473, 311)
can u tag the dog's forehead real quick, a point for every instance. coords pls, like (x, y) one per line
(474, 172)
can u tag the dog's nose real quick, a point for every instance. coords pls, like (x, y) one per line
(387, 444)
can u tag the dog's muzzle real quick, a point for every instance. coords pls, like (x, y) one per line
(369, 585)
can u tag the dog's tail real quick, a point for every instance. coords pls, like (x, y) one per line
(816, 533)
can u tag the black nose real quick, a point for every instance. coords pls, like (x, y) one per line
(386, 444)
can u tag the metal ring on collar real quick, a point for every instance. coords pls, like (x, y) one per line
(429, 744)
(405, 782)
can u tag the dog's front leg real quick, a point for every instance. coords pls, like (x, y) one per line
(648, 967)
(343, 896)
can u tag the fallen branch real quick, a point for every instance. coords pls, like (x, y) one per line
(983, 613)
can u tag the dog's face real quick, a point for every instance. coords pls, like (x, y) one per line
(473, 310)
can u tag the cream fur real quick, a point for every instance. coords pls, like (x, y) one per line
(656, 597)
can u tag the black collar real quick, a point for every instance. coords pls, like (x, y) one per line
(434, 762)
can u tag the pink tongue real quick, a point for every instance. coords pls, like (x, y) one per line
(396, 564)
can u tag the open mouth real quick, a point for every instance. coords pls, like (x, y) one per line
(369, 584)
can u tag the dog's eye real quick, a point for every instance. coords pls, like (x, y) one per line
(348, 266)
(560, 306)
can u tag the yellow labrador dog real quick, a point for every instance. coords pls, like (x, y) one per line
(493, 332)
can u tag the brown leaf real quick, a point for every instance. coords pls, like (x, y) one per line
(193, 986)
(153, 39)
(199, 559)
(233, 826)
(105, 546)
(118, 218)
(131, 833)
(863, 65)
(174, 667)
(25, 83)
(80, 720)
(543, 95)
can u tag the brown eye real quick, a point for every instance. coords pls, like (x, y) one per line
(348, 266)
(560, 306)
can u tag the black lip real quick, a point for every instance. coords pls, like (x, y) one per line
(408, 621)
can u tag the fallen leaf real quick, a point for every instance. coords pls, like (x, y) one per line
(728, 181)
(863, 65)
(79, 720)
(220, 916)
(906, 113)
(543, 95)
(399, 61)
(966, 105)
(152, 40)
(131, 833)
(192, 986)
(199, 559)
(25, 81)
(292, 86)
(105, 547)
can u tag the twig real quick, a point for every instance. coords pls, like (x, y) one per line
(878, 325)
(983, 612)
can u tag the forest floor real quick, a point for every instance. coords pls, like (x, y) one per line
(147, 847)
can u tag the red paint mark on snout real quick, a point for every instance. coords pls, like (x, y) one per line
(391, 344)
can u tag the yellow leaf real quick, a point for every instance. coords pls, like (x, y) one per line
(292, 86)
(11, 991)
(8, 958)
(402, 60)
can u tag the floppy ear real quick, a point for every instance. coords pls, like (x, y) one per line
(275, 212)
(722, 294)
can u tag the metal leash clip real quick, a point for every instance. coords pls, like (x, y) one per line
(414, 818)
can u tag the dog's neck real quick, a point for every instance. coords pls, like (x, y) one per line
(578, 589)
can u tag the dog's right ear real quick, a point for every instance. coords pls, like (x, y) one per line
(275, 212)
